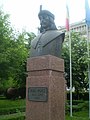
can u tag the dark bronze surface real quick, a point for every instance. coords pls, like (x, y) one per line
(49, 41)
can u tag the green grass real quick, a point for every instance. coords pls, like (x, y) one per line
(12, 109)
(12, 106)
(76, 118)
(15, 110)
(16, 116)
(81, 115)
(11, 103)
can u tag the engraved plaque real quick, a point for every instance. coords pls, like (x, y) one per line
(38, 94)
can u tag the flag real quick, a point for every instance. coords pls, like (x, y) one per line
(87, 12)
(67, 18)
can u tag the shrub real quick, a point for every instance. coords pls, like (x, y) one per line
(13, 93)
(78, 105)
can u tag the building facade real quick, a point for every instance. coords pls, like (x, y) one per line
(76, 27)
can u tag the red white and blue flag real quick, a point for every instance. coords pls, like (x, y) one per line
(67, 18)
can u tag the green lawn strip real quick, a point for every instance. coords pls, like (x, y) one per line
(16, 116)
(11, 110)
(77, 106)
(80, 115)
(12, 103)
(80, 110)
(21, 116)
(12, 106)
(76, 118)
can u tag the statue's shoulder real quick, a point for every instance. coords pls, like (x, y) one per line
(35, 40)
(47, 37)
(52, 34)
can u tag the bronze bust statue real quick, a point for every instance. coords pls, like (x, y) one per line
(49, 41)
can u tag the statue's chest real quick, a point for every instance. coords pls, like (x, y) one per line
(39, 46)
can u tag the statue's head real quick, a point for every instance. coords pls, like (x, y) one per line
(46, 20)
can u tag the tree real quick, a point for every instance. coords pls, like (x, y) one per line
(5, 42)
(79, 60)
(23, 50)
(14, 50)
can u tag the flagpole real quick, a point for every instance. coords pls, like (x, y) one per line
(69, 33)
(88, 42)
(70, 73)
(87, 19)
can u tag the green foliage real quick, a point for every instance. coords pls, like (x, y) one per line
(78, 105)
(77, 118)
(12, 109)
(14, 50)
(11, 106)
(4, 103)
(17, 116)
(4, 111)
(79, 61)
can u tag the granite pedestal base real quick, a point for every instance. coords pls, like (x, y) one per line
(45, 88)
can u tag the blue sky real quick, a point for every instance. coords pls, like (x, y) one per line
(24, 13)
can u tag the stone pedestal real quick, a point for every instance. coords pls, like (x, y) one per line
(45, 88)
